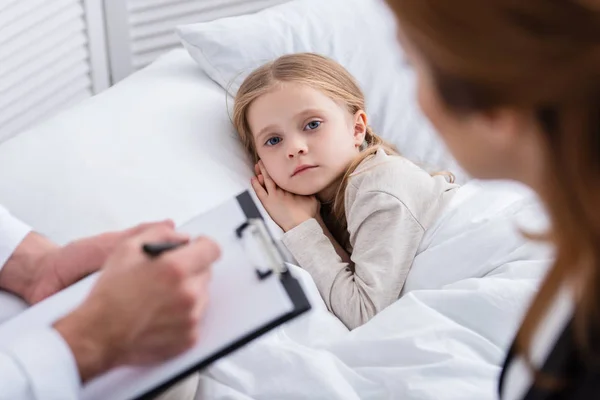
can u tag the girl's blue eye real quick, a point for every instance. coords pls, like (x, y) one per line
(313, 125)
(273, 141)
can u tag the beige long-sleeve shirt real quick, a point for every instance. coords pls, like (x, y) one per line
(390, 203)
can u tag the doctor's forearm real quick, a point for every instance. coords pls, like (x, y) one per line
(85, 334)
(22, 268)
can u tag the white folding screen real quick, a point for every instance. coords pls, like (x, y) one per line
(141, 30)
(52, 55)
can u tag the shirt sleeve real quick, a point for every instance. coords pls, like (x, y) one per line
(12, 233)
(384, 236)
(39, 366)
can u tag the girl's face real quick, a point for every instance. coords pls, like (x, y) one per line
(305, 139)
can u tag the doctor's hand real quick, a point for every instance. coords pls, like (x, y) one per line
(141, 310)
(60, 267)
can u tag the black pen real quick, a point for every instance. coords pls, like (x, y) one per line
(156, 249)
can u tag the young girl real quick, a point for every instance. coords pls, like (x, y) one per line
(353, 211)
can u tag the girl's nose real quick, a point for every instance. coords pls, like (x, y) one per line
(296, 148)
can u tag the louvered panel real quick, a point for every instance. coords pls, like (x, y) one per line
(43, 84)
(63, 83)
(150, 25)
(29, 54)
(18, 76)
(68, 97)
(5, 3)
(10, 47)
(27, 14)
(44, 59)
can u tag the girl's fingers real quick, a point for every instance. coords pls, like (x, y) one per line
(260, 191)
(259, 175)
(256, 169)
(268, 182)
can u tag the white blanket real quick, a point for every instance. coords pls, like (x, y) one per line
(445, 338)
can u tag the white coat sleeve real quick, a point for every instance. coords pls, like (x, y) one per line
(40, 365)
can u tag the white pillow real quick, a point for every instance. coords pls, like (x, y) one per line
(359, 34)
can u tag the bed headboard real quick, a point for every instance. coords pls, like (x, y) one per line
(56, 53)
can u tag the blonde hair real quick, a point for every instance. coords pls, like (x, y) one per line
(327, 76)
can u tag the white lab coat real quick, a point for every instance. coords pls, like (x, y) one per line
(40, 365)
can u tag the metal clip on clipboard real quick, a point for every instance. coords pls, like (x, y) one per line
(261, 249)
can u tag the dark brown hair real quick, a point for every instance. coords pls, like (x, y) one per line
(542, 57)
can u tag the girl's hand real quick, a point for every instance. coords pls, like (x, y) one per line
(288, 210)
